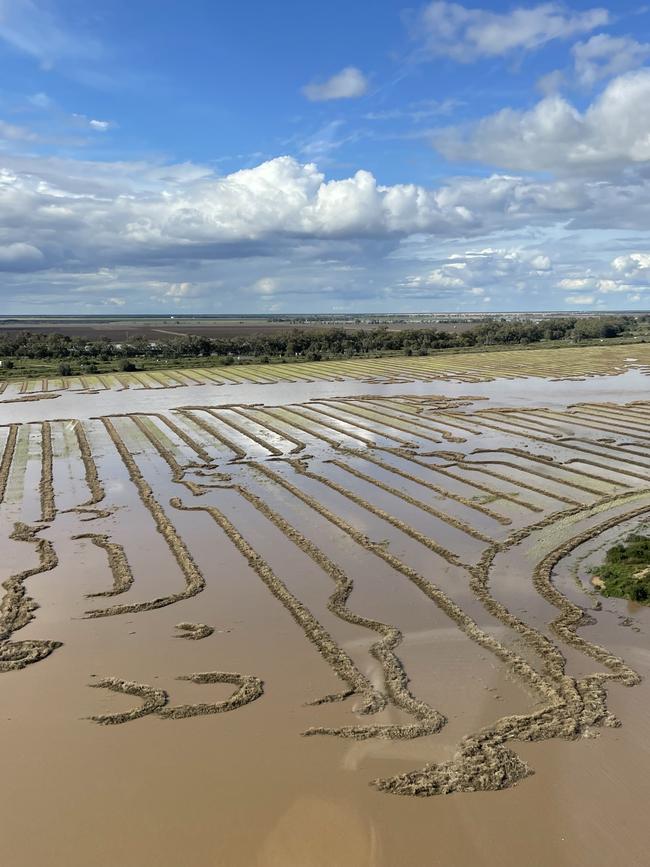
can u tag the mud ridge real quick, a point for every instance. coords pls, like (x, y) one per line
(483, 761)
(445, 471)
(117, 563)
(395, 677)
(443, 552)
(470, 504)
(334, 655)
(7, 459)
(194, 580)
(152, 700)
(412, 501)
(17, 609)
(194, 631)
(46, 485)
(249, 688)
(90, 468)
(211, 430)
(298, 445)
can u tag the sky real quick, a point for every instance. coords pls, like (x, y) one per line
(291, 157)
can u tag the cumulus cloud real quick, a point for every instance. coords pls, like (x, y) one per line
(116, 217)
(574, 283)
(632, 264)
(607, 282)
(284, 230)
(100, 125)
(349, 83)
(613, 132)
(470, 273)
(603, 56)
(464, 34)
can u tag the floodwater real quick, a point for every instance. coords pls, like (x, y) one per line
(320, 563)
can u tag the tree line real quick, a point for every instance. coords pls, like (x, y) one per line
(313, 343)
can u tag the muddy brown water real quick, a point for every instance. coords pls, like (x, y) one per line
(245, 788)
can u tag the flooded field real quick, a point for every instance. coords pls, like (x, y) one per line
(346, 620)
(565, 363)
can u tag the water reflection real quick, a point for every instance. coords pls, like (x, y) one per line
(319, 832)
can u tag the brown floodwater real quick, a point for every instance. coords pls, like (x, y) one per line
(306, 569)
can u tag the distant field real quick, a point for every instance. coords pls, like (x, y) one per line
(157, 328)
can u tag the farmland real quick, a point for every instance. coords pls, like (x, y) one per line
(361, 583)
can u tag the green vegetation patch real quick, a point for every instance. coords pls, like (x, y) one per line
(626, 570)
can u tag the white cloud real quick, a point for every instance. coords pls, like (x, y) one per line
(574, 283)
(632, 263)
(264, 286)
(349, 83)
(184, 290)
(282, 228)
(606, 286)
(164, 292)
(581, 300)
(439, 278)
(451, 30)
(603, 56)
(541, 262)
(97, 125)
(614, 131)
(470, 272)
(603, 283)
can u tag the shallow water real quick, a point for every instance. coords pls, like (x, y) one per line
(244, 787)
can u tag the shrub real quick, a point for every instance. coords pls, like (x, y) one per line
(626, 570)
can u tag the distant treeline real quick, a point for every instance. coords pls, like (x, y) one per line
(314, 344)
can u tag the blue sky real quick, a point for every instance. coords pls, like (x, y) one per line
(341, 157)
